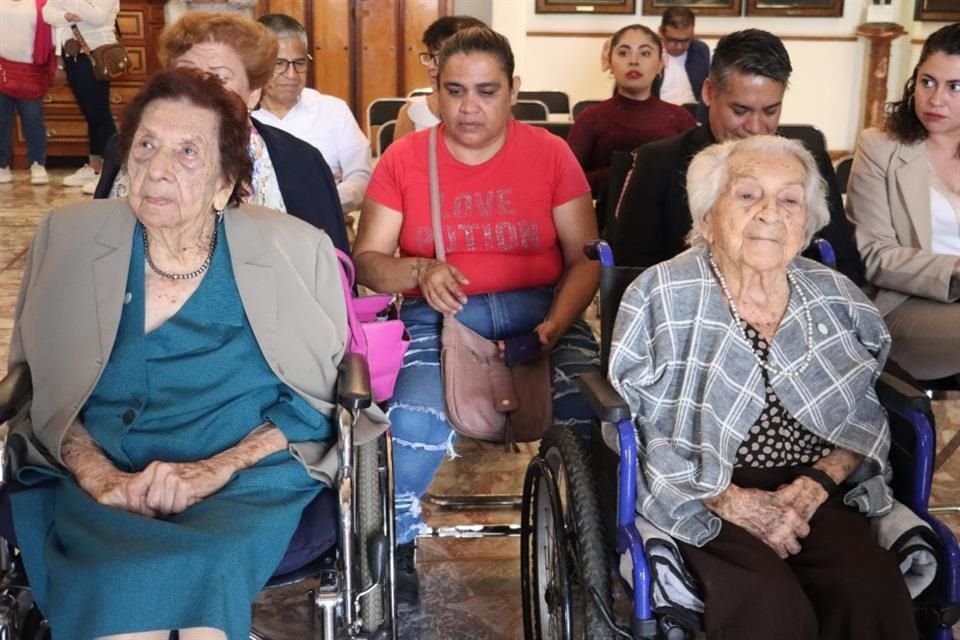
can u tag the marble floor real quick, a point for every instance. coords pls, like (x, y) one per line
(470, 586)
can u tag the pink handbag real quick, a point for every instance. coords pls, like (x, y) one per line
(375, 332)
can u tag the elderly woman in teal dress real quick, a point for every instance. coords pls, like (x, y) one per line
(183, 353)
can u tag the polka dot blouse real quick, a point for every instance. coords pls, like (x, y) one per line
(777, 439)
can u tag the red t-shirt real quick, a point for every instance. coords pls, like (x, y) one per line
(497, 217)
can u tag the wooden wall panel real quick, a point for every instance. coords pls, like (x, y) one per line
(332, 48)
(417, 16)
(378, 38)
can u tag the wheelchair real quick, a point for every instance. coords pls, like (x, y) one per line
(345, 540)
(578, 512)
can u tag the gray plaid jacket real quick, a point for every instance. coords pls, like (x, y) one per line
(694, 386)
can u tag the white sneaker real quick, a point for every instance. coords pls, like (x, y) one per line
(38, 174)
(5, 175)
(90, 188)
(80, 177)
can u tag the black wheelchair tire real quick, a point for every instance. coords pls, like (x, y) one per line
(584, 557)
(369, 524)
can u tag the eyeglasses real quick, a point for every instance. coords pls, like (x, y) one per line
(299, 65)
(427, 58)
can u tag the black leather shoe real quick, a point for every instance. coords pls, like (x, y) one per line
(408, 584)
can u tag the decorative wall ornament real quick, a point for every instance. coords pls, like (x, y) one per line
(587, 6)
(804, 8)
(699, 7)
(948, 10)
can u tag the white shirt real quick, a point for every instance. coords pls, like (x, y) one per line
(944, 218)
(420, 114)
(97, 20)
(676, 87)
(19, 27)
(327, 123)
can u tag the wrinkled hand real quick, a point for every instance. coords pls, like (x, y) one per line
(440, 283)
(112, 488)
(170, 487)
(804, 495)
(764, 516)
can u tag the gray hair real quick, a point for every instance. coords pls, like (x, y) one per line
(284, 26)
(708, 176)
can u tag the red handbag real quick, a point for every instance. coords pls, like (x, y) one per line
(23, 80)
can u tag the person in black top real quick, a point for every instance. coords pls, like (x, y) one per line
(748, 78)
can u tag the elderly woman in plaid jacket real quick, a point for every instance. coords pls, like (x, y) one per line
(763, 447)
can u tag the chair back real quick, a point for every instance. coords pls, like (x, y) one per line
(614, 281)
(561, 129)
(556, 101)
(382, 110)
(527, 110)
(420, 92)
(843, 173)
(581, 105)
(811, 137)
(385, 136)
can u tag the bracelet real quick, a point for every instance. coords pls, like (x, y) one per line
(820, 477)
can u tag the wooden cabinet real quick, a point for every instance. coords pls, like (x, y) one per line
(140, 24)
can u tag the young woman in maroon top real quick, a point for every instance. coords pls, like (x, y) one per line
(633, 116)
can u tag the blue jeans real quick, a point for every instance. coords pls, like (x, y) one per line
(31, 118)
(421, 433)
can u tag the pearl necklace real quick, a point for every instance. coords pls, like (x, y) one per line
(181, 276)
(741, 325)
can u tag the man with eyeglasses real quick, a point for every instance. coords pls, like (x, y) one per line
(324, 121)
(688, 61)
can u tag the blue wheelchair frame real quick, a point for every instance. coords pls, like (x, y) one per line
(913, 454)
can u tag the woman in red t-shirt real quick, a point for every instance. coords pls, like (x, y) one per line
(516, 212)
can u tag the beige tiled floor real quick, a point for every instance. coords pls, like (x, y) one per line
(470, 586)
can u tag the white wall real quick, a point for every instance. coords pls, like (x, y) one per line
(826, 88)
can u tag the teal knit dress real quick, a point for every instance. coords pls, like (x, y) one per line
(189, 389)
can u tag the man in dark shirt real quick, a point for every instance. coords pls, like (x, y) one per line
(748, 78)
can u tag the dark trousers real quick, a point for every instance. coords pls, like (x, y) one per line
(93, 97)
(841, 586)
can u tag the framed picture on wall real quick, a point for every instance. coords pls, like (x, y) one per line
(699, 7)
(805, 8)
(587, 6)
(948, 10)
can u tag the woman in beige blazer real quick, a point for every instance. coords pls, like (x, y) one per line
(183, 353)
(904, 198)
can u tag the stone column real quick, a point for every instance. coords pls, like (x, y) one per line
(880, 36)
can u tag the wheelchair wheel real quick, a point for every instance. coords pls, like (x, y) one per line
(369, 526)
(562, 555)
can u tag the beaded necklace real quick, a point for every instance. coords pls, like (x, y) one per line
(181, 276)
(807, 357)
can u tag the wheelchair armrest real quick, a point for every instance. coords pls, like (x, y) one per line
(15, 389)
(603, 398)
(898, 395)
(353, 383)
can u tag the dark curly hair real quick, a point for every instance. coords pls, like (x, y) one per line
(205, 91)
(901, 118)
